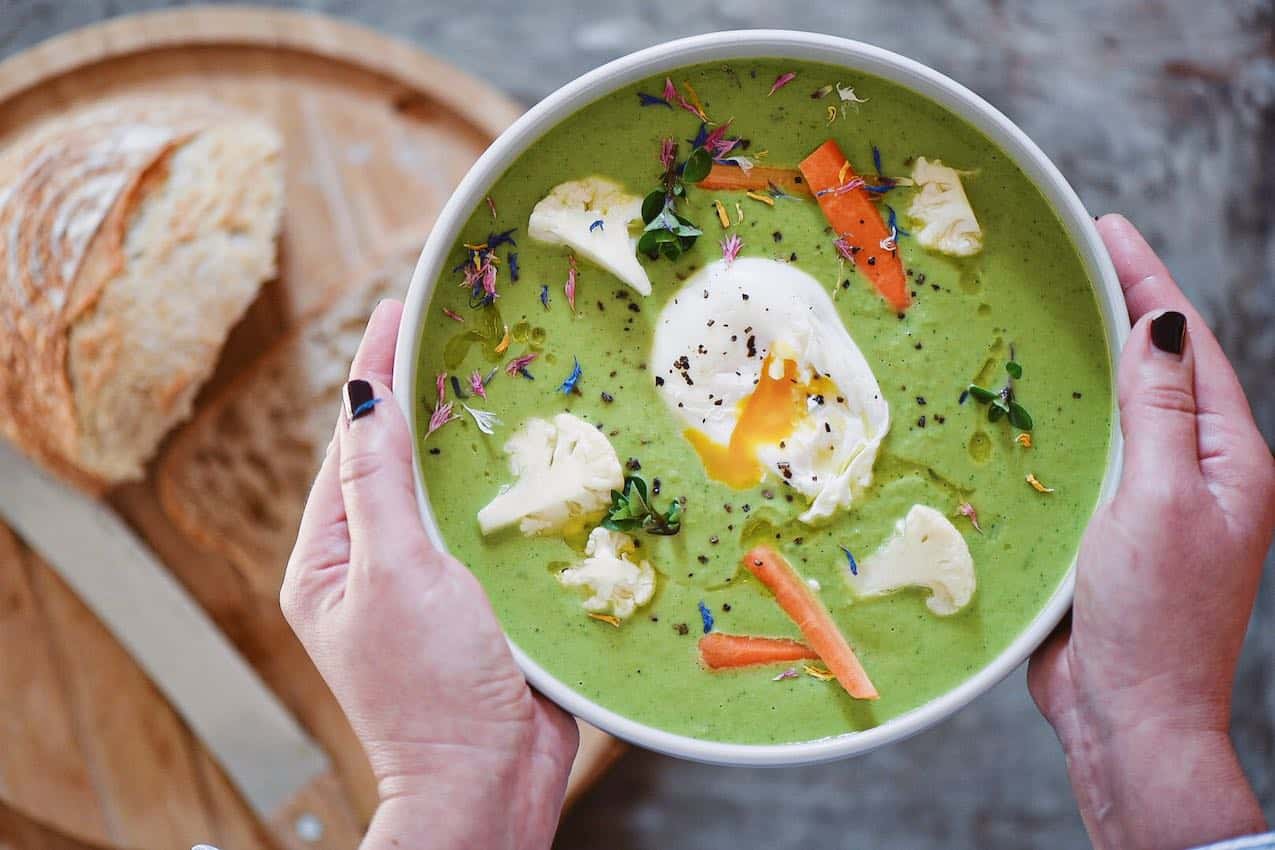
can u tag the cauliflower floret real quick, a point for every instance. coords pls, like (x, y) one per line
(941, 206)
(925, 550)
(565, 470)
(570, 213)
(618, 586)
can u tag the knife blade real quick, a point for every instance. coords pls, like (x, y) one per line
(261, 747)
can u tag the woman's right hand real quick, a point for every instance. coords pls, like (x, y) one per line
(1138, 683)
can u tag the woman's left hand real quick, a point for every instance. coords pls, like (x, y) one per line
(465, 754)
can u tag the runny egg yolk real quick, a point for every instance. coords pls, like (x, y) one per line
(766, 417)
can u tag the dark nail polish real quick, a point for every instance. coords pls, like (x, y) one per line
(1168, 332)
(359, 400)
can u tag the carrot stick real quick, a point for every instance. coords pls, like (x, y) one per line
(728, 178)
(814, 621)
(857, 221)
(720, 652)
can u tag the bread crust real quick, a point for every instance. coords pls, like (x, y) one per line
(70, 193)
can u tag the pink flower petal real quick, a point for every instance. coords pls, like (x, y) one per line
(781, 81)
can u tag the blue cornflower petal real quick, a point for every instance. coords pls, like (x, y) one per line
(707, 616)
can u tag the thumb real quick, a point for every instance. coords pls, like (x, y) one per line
(1157, 400)
(377, 484)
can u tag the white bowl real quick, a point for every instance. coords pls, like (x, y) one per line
(855, 56)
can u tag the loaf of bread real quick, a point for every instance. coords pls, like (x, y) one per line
(236, 478)
(133, 235)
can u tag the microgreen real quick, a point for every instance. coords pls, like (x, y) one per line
(667, 233)
(632, 510)
(1002, 403)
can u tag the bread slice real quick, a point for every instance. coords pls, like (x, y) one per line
(133, 235)
(236, 479)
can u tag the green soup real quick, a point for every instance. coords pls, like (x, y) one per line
(1025, 292)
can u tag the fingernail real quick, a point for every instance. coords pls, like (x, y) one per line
(359, 399)
(1168, 331)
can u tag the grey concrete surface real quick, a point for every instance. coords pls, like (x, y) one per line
(1162, 109)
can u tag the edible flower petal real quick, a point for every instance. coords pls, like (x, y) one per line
(456, 390)
(758, 196)
(609, 619)
(850, 561)
(645, 99)
(504, 342)
(821, 92)
(491, 205)
(847, 95)
(485, 420)
(513, 266)
(730, 247)
(518, 366)
(440, 386)
(599, 224)
(1024, 439)
(692, 104)
(706, 616)
(570, 288)
(790, 673)
(569, 385)
(478, 385)
(441, 416)
(967, 511)
(721, 214)
(820, 673)
(1036, 485)
(544, 296)
(848, 186)
(453, 315)
(781, 81)
(495, 240)
(668, 152)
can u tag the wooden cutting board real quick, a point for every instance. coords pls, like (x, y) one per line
(376, 136)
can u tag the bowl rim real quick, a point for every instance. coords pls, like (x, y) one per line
(856, 57)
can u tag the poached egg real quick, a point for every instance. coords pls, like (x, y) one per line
(751, 356)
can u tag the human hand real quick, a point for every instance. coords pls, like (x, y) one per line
(465, 755)
(1138, 684)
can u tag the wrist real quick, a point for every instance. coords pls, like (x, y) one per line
(1148, 784)
(458, 797)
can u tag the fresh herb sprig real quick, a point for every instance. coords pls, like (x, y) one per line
(667, 233)
(1002, 403)
(633, 510)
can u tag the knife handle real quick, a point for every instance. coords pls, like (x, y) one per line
(318, 817)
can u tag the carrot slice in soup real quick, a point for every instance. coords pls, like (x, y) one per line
(856, 220)
(814, 621)
(731, 178)
(721, 652)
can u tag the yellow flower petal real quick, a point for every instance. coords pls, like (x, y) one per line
(606, 618)
(504, 342)
(1024, 439)
(721, 214)
(1037, 486)
(819, 673)
(765, 199)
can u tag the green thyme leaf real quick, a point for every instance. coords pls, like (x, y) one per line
(1019, 417)
(995, 412)
(981, 394)
(1014, 369)
(653, 205)
(697, 166)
